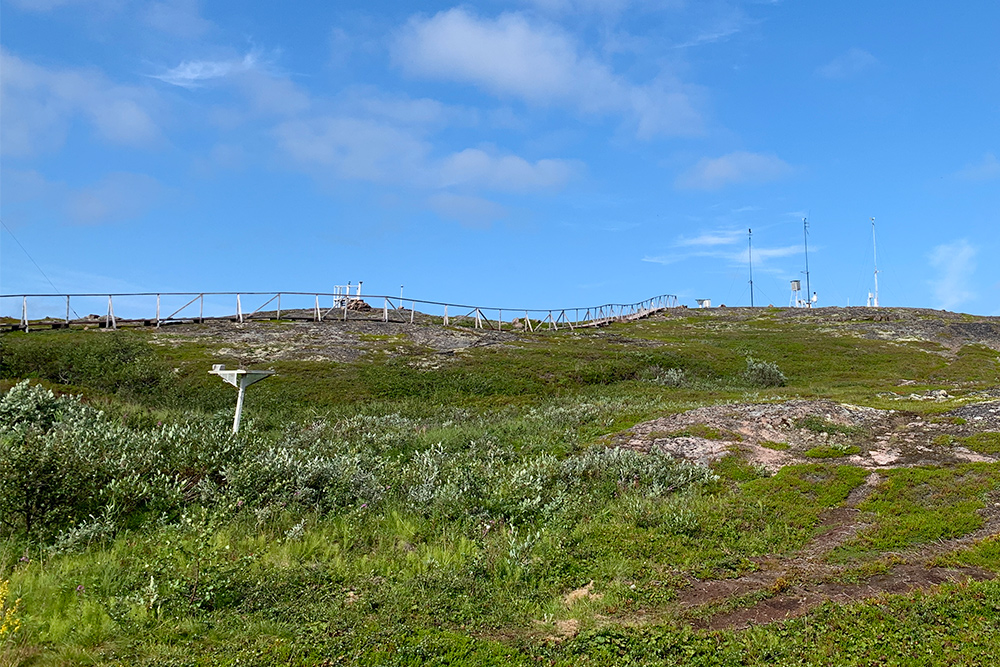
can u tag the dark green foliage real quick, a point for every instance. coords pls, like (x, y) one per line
(120, 363)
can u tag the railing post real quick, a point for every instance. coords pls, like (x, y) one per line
(446, 315)
(279, 307)
(24, 313)
(500, 321)
(385, 309)
(67, 311)
(157, 311)
(239, 309)
(201, 308)
(111, 321)
(316, 312)
(413, 310)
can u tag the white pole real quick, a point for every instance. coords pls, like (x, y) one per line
(67, 311)
(316, 313)
(239, 309)
(239, 405)
(875, 254)
(157, 311)
(201, 309)
(413, 310)
(278, 317)
(24, 313)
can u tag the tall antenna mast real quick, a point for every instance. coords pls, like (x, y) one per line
(805, 239)
(750, 257)
(875, 255)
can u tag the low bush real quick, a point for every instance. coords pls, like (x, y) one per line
(763, 374)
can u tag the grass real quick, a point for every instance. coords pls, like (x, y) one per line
(831, 451)
(920, 505)
(776, 446)
(477, 500)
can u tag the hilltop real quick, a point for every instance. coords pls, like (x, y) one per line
(757, 486)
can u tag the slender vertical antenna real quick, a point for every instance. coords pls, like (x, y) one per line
(750, 257)
(875, 255)
(805, 240)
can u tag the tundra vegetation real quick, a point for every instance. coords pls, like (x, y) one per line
(410, 507)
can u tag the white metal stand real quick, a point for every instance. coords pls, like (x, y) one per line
(241, 379)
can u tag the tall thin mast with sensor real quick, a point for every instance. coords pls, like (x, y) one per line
(875, 259)
(805, 239)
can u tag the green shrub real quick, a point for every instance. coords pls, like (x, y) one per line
(763, 374)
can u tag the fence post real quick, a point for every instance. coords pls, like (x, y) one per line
(67, 311)
(157, 311)
(446, 315)
(201, 308)
(316, 311)
(239, 309)
(111, 321)
(385, 309)
(24, 313)
(413, 310)
(500, 321)
(278, 317)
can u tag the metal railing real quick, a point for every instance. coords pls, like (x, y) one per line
(342, 307)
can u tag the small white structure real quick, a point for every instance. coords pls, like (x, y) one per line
(796, 299)
(241, 379)
(704, 303)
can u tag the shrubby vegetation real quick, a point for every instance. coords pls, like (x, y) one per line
(385, 512)
(69, 468)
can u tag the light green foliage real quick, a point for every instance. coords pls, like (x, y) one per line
(763, 374)
(984, 443)
(918, 505)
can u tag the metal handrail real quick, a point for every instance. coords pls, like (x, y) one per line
(593, 315)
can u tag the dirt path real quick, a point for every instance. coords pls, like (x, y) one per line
(788, 587)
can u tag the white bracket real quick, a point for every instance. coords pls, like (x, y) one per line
(241, 379)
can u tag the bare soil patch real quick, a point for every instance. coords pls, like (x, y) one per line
(774, 435)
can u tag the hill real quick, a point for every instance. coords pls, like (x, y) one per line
(726, 486)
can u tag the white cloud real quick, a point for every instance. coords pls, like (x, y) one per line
(734, 257)
(466, 210)
(722, 237)
(732, 169)
(581, 6)
(195, 73)
(986, 169)
(354, 149)
(540, 64)
(39, 105)
(855, 61)
(955, 264)
(507, 172)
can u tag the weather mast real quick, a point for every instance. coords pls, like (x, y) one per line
(873, 298)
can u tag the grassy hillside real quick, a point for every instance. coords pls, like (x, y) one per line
(410, 496)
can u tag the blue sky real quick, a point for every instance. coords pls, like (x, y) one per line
(542, 153)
